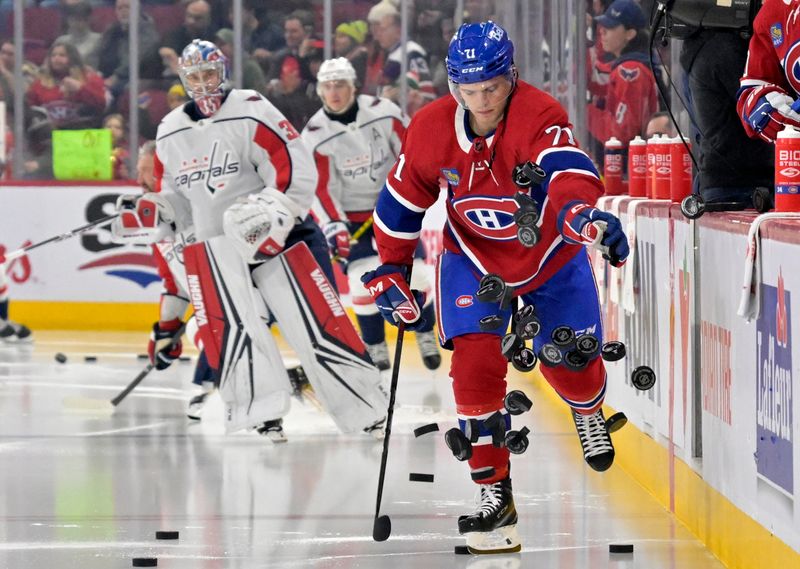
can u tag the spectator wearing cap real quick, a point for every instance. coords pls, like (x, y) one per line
(298, 31)
(376, 55)
(252, 76)
(631, 97)
(349, 43)
(80, 34)
(294, 96)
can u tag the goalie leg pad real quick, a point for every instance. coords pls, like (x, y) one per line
(253, 382)
(313, 321)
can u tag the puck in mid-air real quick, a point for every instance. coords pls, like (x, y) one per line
(419, 477)
(145, 562)
(90, 358)
(61, 358)
(461, 550)
(550, 355)
(643, 378)
(620, 548)
(425, 429)
(613, 351)
(615, 422)
(167, 535)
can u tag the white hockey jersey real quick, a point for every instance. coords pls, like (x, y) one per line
(203, 166)
(353, 160)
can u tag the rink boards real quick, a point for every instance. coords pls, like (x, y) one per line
(722, 411)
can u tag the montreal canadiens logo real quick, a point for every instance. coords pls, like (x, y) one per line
(791, 66)
(492, 218)
(464, 301)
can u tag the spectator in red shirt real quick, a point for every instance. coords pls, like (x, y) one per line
(631, 96)
(73, 95)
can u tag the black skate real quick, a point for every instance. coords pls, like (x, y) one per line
(492, 528)
(377, 430)
(273, 430)
(14, 333)
(379, 354)
(598, 451)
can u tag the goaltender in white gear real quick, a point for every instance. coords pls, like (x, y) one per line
(231, 166)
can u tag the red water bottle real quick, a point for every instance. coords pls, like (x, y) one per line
(680, 183)
(662, 168)
(787, 170)
(612, 166)
(637, 168)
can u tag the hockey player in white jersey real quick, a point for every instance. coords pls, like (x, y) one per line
(229, 164)
(355, 140)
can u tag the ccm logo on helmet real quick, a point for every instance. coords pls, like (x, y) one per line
(472, 69)
(464, 301)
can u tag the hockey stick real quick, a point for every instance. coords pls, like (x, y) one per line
(382, 526)
(109, 406)
(62, 237)
(362, 229)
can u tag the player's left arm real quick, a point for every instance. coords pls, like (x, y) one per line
(573, 185)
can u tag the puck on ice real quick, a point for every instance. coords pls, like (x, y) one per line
(145, 562)
(142, 357)
(184, 358)
(425, 429)
(620, 548)
(167, 535)
(61, 358)
(418, 477)
(461, 550)
(90, 358)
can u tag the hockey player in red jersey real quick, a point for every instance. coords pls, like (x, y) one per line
(474, 140)
(771, 82)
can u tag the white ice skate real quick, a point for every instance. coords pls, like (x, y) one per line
(379, 354)
(198, 402)
(598, 451)
(492, 528)
(428, 346)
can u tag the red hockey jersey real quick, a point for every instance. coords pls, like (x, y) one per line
(773, 60)
(477, 172)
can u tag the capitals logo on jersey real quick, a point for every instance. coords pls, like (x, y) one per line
(210, 170)
(489, 217)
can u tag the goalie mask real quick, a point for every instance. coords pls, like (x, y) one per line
(203, 72)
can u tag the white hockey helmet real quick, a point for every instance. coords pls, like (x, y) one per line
(197, 57)
(336, 69)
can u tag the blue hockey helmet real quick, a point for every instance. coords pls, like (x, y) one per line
(479, 52)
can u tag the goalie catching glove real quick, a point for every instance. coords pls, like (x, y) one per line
(581, 223)
(392, 294)
(144, 219)
(259, 224)
(160, 348)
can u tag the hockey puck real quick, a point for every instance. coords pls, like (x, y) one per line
(425, 429)
(550, 356)
(643, 378)
(615, 422)
(587, 344)
(575, 360)
(563, 336)
(490, 323)
(613, 351)
(61, 358)
(167, 535)
(620, 548)
(461, 550)
(419, 477)
(142, 357)
(184, 358)
(524, 360)
(528, 235)
(491, 288)
(90, 359)
(145, 562)
(517, 403)
(511, 344)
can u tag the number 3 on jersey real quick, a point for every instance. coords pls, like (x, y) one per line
(291, 132)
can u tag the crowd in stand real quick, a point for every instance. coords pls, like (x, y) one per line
(77, 69)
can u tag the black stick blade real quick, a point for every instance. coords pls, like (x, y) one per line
(382, 528)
